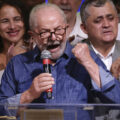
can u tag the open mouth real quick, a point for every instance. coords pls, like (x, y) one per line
(49, 47)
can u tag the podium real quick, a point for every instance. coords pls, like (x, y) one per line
(60, 112)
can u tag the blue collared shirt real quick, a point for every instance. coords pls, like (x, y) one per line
(72, 81)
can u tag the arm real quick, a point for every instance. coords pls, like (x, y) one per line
(9, 89)
(106, 87)
(81, 52)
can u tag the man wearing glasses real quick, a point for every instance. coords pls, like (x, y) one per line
(72, 81)
(70, 8)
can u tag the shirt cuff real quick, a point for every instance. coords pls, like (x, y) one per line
(14, 99)
(12, 104)
(107, 80)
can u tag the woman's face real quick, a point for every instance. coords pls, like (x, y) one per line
(11, 24)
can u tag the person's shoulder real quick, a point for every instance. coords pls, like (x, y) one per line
(23, 57)
(117, 42)
(117, 46)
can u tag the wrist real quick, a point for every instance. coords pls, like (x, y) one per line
(26, 97)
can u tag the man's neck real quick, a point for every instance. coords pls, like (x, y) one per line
(103, 49)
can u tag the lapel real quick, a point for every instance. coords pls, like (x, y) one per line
(116, 52)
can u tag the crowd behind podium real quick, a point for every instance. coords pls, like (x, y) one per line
(96, 56)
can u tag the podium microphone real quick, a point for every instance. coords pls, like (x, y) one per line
(46, 55)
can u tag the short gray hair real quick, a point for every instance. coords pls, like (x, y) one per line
(32, 18)
(96, 3)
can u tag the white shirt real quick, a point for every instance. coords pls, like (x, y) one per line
(106, 60)
(77, 31)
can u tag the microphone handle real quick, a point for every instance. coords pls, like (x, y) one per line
(46, 67)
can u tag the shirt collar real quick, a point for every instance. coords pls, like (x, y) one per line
(100, 55)
(36, 54)
(68, 50)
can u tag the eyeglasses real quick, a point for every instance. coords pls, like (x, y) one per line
(59, 31)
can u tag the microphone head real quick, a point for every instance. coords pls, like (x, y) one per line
(45, 54)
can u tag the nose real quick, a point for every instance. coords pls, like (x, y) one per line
(53, 37)
(11, 25)
(106, 23)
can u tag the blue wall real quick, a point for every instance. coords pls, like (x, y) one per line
(78, 10)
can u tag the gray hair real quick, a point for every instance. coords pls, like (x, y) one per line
(32, 18)
(84, 12)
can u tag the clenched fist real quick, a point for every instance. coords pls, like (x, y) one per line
(81, 52)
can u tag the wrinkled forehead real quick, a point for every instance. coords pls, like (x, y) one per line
(49, 18)
(50, 13)
(105, 9)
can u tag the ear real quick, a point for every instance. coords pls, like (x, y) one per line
(83, 27)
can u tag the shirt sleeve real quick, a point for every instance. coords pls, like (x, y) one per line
(107, 80)
(11, 105)
(14, 99)
(110, 90)
(8, 95)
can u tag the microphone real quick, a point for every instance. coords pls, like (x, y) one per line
(46, 55)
